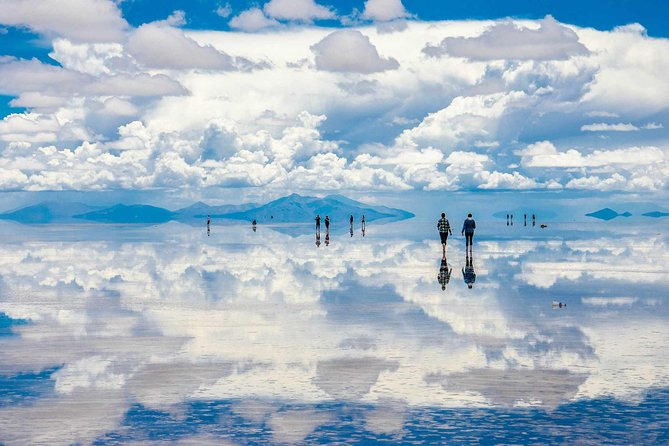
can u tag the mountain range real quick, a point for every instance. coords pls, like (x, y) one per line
(291, 209)
(607, 214)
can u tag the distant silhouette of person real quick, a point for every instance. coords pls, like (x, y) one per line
(318, 224)
(543, 226)
(208, 225)
(507, 219)
(468, 273)
(351, 220)
(318, 239)
(444, 275)
(525, 219)
(511, 219)
(253, 225)
(362, 222)
(534, 219)
(444, 228)
(327, 231)
(468, 227)
(351, 225)
(557, 304)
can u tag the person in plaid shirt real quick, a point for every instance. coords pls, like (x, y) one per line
(444, 228)
(444, 275)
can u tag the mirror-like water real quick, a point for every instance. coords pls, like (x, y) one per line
(155, 334)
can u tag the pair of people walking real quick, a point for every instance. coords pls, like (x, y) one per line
(468, 228)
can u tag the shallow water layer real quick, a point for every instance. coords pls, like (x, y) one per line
(163, 334)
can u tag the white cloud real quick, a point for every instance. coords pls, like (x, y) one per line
(224, 11)
(81, 20)
(350, 51)
(466, 120)
(602, 114)
(604, 127)
(504, 180)
(613, 182)
(545, 154)
(304, 10)
(394, 117)
(506, 40)
(384, 10)
(156, 45)
(252, 20)
(606, 301)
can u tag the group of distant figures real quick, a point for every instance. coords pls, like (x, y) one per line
(509, 220)
(326, 221)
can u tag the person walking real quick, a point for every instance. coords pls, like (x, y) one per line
(318, 224)
(444, 228)
(327, 224)
(468, 227)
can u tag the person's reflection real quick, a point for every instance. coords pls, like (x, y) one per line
(468, 271)
(254, 224)
(318, 239)
(350, 231)
(327, 237)
(444, 275)
(363, 230)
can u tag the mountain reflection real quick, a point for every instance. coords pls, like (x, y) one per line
(176, 318)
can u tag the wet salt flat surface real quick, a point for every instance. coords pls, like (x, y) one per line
(160, 334)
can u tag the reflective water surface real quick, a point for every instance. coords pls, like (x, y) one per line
(148, 335)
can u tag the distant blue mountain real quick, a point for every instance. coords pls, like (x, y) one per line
(656, 214)
(607, 214)
(297, 208)
(48, 212)
(137, 213)
(291, 209)
(201, 210)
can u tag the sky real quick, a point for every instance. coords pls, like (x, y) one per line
(267, 98)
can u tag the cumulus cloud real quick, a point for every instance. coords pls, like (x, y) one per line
(186, 111)
(506, 40)
(467, 120)
(253, 19)
(158, 45)
(545, 154)
(620, 127)
(384, 10)
(303, 10)
(81, 20)
(350, 51)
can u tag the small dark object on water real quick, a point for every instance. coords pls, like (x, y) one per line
(558, 304)
(543, 226)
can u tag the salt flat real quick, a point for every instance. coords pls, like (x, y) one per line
(122, 334)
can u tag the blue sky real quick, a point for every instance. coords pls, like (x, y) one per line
(298, 95)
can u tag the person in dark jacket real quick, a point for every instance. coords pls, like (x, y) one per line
(468, 228)
(468, 273)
